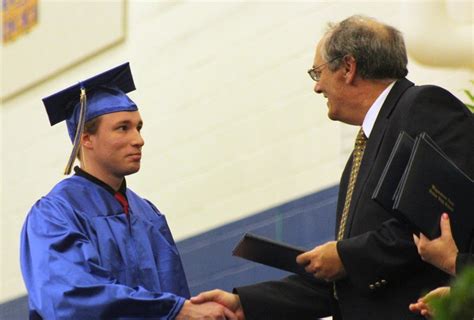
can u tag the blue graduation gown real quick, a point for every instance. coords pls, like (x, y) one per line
(81, 258)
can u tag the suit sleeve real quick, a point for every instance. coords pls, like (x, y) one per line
(464, 260)
(294, 297)
(65, 280)
(388, 253)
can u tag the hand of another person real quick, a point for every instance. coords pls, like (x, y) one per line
(440, 252)
(206, 310)
(323, 262)
(422, 305)
(229, 300)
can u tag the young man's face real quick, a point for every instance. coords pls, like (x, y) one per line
(117, 144)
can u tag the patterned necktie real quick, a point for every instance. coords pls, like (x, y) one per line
(358, 153)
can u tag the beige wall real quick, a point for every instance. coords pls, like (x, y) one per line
(231, 123)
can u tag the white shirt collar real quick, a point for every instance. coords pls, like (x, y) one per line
(374, 110)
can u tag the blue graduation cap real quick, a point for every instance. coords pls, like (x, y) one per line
(82, 102)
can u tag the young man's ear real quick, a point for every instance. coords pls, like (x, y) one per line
(86, 140)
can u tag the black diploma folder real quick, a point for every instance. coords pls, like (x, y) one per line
(269, 252)
(392, 174)
(429, 184)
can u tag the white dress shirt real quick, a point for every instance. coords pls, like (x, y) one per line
(374, 110)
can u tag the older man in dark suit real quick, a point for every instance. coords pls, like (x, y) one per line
(372, 269)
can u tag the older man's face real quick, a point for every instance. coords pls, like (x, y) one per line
(329, 86)
(333, 87)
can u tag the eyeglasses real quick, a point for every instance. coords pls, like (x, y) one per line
(315, 72)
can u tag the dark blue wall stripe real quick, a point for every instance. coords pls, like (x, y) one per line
(304, 222)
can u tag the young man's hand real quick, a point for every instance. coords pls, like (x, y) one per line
(228, 300)
(207, 310)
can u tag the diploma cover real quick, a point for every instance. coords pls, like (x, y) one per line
(269, 252)
(392, 174)
(433, 184)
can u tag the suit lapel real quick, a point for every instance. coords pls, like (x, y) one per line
(373, 145)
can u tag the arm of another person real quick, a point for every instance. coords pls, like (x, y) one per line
(422, 306)
(441, 252)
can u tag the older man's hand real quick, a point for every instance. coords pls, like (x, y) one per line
(323, 262)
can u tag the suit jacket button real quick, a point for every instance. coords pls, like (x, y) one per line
(377, 284)
(371, 287)
(384, 282)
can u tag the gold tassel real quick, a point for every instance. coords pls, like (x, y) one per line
(79, 131)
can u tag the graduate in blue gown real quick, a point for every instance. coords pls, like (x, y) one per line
(92, 248)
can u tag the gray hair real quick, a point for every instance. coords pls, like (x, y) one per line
(379, 49)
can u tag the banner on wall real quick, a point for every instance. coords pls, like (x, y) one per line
(19, 17)
(67, 33)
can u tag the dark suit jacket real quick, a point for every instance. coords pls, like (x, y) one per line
(464, 260)
(384, 271)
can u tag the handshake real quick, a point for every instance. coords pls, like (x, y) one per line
(214, 304)
(322, 262)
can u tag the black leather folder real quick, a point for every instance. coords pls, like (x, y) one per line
(269, 252)
(430, 185)
(392, 174)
